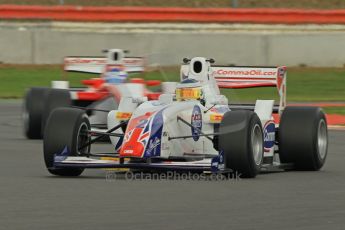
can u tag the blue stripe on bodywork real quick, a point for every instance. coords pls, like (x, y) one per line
(153, 147)
(61, 156)
(119, 144)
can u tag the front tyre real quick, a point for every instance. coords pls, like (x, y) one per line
(303, 137)
(241, 139)
(66, 127)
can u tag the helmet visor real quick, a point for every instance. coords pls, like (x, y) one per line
(188, 93)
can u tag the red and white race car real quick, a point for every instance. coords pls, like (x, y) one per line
(100, 93)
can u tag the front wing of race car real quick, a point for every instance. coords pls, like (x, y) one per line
(214, 164)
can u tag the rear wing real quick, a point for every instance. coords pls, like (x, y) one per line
(248, 77)
(236, 77)
(97, 65)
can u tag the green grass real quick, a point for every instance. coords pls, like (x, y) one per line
(16, 79)
(304, 84)
(335, 110)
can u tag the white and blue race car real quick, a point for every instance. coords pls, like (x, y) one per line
(195, 128)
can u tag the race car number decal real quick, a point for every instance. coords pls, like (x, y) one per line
(196, 123)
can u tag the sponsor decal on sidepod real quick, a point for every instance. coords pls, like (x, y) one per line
(269, 135)
(196, 123)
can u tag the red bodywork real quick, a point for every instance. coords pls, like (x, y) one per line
(99, 89)
(135, 138)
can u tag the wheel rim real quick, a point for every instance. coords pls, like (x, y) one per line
(257, 145)
(322, 139)
(83, 139)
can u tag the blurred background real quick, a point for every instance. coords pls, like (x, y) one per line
(305, 35)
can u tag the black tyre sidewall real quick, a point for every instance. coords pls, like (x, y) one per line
(62, 131)
(236, 144)
(298, 137)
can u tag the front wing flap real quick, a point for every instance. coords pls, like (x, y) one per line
(207, 164)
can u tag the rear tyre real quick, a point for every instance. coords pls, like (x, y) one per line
(56, 98)
(303, 137)
(33, 108)
(241, 139)
(66, 127)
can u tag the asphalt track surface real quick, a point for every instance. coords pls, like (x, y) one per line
(32, 199)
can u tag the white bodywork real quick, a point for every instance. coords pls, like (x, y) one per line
(98, 65)
(174, 115)
(246, 77)
(160, 132)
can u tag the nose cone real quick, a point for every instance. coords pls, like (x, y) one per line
(133, 147)
(143, 136)
(136, 137)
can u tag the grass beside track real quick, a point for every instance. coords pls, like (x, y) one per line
(303, 84)
(335, 110)
(15, 79)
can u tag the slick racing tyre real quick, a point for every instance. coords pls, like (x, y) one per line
(241, 140)
(33, 108)
(66, 128)
(56, 98)
(303, 137)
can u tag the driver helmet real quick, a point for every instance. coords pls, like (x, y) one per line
(189, 89)
(115, 74)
